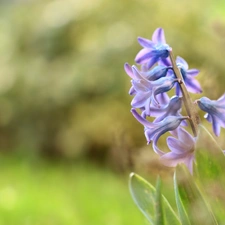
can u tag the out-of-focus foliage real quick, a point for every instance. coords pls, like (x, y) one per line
(63, 90)
(43, 193)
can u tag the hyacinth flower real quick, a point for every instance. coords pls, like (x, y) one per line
(182, 150)
(171, 109)
(156, 73)
(215, 110)
(145, 91)
(151, 75)
(188, 75)
(157, 129)
(159, 73)
(154, 49)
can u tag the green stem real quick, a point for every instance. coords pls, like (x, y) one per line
(189, 105)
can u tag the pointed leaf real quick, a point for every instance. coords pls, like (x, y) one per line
(196, 206)
(144, 196)
(159, 217)
(181, 210)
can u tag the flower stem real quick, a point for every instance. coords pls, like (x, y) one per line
(189, 105)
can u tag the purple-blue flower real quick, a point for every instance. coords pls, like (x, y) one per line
(171, 109)
(215, 110)
(154, 49)
(145, 91)
(182, 150)
(188, 75)
(153, 131)
(156, 72)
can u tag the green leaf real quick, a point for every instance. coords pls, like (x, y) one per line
(159, 217)
(181, 210)
(197, 208)
(151, 202)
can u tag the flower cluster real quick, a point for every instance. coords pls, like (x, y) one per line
(158, 73)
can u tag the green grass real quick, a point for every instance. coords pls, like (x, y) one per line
(43, 193)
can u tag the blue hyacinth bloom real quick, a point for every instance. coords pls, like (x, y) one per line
(215, 110)
(153, 50)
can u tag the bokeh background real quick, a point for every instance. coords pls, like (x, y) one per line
(67, 137)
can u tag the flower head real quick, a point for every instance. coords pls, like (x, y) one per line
(182, 150)
(215, 110)
(154, 49)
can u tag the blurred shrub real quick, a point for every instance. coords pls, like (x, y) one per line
(63, 91)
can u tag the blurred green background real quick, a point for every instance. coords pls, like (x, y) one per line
(67, 137)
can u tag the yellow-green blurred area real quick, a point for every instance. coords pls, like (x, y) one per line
(64, 102)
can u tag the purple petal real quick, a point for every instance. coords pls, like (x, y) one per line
(146, 43)
(192, 72)
(128, 70)
(182, 62)
(163, 98)
(175, 145)
(221, 100)
(175, 132)
(143, 56)
(171, 159)
(158, 36)
(144, 67)
(132, 91)
(136, 73)
(193, 86)
(165, 61)
(139, 100)
(216, 126)
(208, 117)
(141, 85)
(147, 107)
(152, 61)
(186, 138)
(141, 119)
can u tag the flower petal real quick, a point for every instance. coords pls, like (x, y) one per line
(146, 43)
(221, 100)
(140, 99)
(141, 85)
(176, 145)
(180, 60)
(186, 138)
(152, 61)
(142, 120)
(193, 86)
(136, 73)
(192, 72)
(132, 91)
(158, 36)
(171, 159)
(143, 56)
(216, 126)
(165, 61)
(128, 70)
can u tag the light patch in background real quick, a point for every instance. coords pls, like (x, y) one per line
(59, 13)
(120, 35)
(8, 198)
(7, 79)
